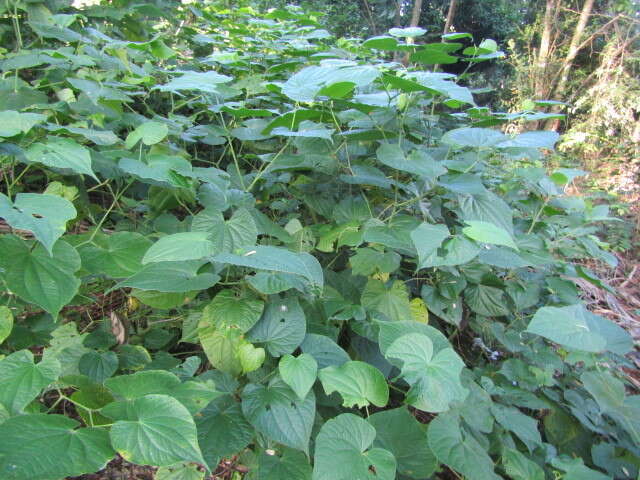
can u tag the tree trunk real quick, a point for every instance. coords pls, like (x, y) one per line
(415, 14)
(415, 19)
(574, 48)
(450, 14)
(542, 62)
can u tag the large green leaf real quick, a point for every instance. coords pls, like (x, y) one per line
(222, 347)
(609, 393)
(179, 247)
(392, 300)
(324, 350)
(118, 255)
(298, 372)
(519, 467)
(223, 430)
(523, 426)
(6, 323)
(13, 123)
(282, 327)
(230, 310)
(193, 394)
(434, 379)
(22, 380)
(576, 328)
(63, 153)
(343, 452)
(149, 132)
(400, 433)
(434, 250)
(486, 300)
(277, 412)
(50, 447)
(227, 235)
(98, 366)
(199, 81)
(486, 207)
(458, 449)
(153, 430)
(488, 233)
(44, 215)
(292, 465)
(357, 382)
(473, 137)
(278, 260)
(36, 277)
(417, 162)
(171, 277)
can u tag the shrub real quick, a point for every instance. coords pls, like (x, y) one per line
(229, 235)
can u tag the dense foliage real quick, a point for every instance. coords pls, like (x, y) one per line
(229, 235)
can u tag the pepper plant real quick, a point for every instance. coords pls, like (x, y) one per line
(229, 236)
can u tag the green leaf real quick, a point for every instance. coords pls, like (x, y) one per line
(222, 347)
(6, 322)
(458, 449)
(50, 447)
(432, 56)
(523, 426)
(531, 140)
(278, 260)
(13, 123)
(367, 261)
(223, 430)
(357, 382)
(22, 380)
(182, 471)
(298, 372)
(473, 137)
(487, 207)
(171, 277)
(486, 300)
(392, 301)
(230, 310)
(153, 430)
(149, 132)
(180, 247)
(143, 383)
(576, 470)
(382, 42)
(391, 331)
(98, 366)
(36, 277)
(282, 327)
(118, 255)
(410, 32)
(251, 358)
(44, 215)
(63, 153)
(325, 351)
(417, 162)
(609, 393)
(400, 433)
(519, 467)
(199, 81)
(343, 452)
(292, 465)
(488, 233)
(434, 379)
(276, 411)
(427, 239)
(227, 235)
(576, 328)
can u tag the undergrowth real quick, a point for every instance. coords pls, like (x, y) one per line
(229, 235)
